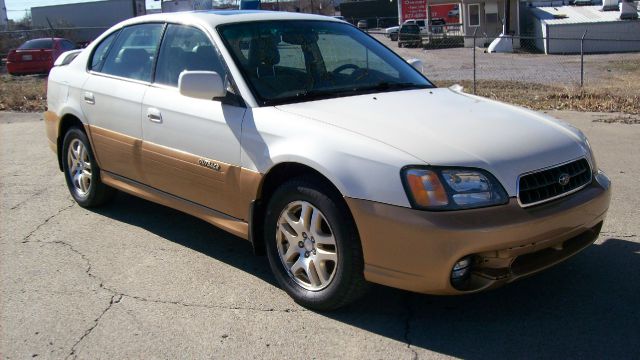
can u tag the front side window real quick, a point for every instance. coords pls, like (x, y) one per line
(293, 61)
(133, 52)
(185, 48)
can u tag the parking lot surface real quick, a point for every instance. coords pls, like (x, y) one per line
(138, 280)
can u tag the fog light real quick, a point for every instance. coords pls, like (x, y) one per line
(461, 271)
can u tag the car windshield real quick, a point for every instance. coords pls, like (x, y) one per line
(37, 44)
(294, 61)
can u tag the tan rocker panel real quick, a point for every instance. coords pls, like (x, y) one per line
(213, 184)
(225, 222)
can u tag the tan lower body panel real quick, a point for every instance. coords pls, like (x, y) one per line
(52, 124)
(228, 189)
(416, 250)
(221, 220)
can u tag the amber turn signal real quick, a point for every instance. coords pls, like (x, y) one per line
(426, 188)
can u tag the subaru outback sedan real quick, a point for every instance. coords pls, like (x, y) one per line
(324, 149)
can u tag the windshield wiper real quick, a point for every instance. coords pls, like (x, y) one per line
(383, 86)
(309, 95)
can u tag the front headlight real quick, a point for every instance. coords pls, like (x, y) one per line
(440, 188)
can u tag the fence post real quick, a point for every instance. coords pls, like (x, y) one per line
(474, 60)
(582, 59)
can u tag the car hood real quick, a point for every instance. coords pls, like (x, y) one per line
(446, 128)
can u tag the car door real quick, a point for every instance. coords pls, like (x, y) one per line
(191, 147)
(120, 72)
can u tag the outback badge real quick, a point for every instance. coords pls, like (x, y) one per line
(209, 164)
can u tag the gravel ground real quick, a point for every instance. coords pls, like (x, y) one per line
(138, 280)
(457, 64)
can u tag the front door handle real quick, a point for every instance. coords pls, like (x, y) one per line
(154, 115)
(89, 98)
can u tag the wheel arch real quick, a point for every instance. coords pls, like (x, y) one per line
(276, 176)
(67, 121)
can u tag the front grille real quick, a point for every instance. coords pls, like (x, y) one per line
(545, 185)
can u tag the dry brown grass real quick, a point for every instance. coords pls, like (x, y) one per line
(23, 93)
(544, 97)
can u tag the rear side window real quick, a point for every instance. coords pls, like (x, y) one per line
(133, 52)
(37, 44)
(100, 54)
(68, 45)
(185, 48)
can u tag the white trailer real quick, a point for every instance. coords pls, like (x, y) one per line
(94, 17)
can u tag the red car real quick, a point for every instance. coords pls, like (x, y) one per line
(37, 56)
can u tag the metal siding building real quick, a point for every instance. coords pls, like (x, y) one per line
(571, 22)
(98, 14)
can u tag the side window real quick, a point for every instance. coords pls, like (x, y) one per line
(68, 45)
(100, 53)
(185, 48)
(133, 52)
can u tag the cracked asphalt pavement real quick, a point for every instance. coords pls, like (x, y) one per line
(138, 280)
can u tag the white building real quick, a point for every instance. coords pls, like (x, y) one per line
(553, 24)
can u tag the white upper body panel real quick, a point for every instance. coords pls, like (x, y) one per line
(445, 128)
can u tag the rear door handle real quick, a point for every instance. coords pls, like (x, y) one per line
(89, 98)
(154, 115)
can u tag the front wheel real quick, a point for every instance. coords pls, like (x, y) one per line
(313, 247)
(82, 172)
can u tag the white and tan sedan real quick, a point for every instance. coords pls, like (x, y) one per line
(325, 150)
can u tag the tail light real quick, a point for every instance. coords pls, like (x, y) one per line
(45, 54)
(11, 56)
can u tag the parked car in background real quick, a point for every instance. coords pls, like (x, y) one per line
(455, 12)
(409, 35)
(37, 56)
(324, 149)
(392, 32)
(363, 25)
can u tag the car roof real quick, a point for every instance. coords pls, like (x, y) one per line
(218, 17)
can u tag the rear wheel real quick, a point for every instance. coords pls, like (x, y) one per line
(313, 247)
(82, 172)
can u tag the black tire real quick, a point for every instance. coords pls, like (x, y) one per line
(393, 37)
(399, 44)
(348, 282)
(98, 193)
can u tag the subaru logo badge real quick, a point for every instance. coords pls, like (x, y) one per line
(563, 180)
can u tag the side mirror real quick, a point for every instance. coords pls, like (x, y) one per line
(205, 85)
(417, 64)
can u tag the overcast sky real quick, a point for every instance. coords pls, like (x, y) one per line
(16, 8)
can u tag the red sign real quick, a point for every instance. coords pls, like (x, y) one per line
(417, 9)
(413, 9)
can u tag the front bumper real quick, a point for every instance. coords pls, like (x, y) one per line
(416, 250)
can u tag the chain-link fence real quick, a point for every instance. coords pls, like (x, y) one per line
(599, 72)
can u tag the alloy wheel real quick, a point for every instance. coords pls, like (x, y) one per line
(79, 167)
(306, 245)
